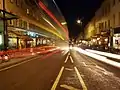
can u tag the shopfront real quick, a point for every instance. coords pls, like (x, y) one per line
(3, 27)
(116, 41)
(116, 38)
(1, 36)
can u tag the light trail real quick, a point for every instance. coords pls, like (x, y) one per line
(98, 57)
(115, 56)
(49, 23)
(53, 17)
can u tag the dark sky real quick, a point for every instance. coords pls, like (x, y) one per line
(75, 9)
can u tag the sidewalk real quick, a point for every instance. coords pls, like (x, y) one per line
(18, 58)
(15, 61)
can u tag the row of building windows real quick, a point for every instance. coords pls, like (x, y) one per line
(107, 24)
(107, 8)
(18, 23)
(20, 4)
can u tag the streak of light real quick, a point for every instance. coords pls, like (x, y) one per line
(65, 48)
(52, 16)
(49, 23)
(64, 23)
(98, 57)
(115, 56)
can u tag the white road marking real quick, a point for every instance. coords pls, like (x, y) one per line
(84, 64)
(71, 59)
(66, 59)
(17, 64)
(69, 69)
(57, 79)
(68, 87)
(80, 79)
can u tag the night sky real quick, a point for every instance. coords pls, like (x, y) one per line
(75, 9)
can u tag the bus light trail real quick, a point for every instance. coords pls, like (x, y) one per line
(52, 16)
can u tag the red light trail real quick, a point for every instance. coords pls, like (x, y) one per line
(52, 16)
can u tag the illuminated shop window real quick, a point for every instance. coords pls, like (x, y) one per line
(1, 39)
(28, 11)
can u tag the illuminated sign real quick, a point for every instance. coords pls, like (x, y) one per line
(1, 39)
(32, 34)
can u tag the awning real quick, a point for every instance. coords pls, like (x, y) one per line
(8, 15)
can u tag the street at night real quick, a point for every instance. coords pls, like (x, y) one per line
(61, 70)
(59, 44)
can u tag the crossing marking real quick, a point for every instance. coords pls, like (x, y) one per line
(66, 59)
(68, 87)
(84, 64)
(71, 59)
(80, 79)
(69, 69)
(57, 79)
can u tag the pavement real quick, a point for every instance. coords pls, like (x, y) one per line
(60, 70)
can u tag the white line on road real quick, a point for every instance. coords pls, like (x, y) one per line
(57, 79)
(66, 59)
(71, 59)
(84, 64)
(68, 87)
(80, 79)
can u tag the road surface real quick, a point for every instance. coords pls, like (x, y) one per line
(60, 71)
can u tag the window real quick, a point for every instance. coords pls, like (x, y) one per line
(20, 23)
(114, 20)
(25, 25)
(17, 2)
(108, 7)
(108, 23)
(17, 22)
(113, 2)
(11, 1)
(119, 18)
(27, 11)
(10, 23)
(105, 24)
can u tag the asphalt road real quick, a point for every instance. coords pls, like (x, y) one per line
(61, 71)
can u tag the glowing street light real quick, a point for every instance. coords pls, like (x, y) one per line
(79, 21)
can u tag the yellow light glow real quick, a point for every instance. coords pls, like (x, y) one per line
(64, 23)
(49, 23)
(44, 27)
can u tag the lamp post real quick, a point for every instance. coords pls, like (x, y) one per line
(5, 28)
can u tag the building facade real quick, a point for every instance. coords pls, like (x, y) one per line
(106, 24)
(28, 24)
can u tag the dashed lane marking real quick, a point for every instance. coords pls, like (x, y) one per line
(80, 79)
(68, 87)
(57, 79)
(66, 59)
(71, 59)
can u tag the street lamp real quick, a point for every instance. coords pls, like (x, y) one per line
(79, 21)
